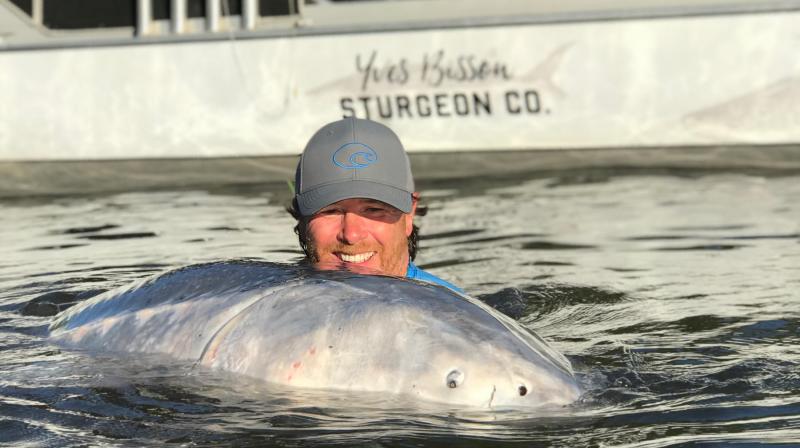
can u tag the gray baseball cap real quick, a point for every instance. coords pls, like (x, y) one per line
(353, 158)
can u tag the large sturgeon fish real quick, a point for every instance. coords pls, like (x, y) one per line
(327, 330)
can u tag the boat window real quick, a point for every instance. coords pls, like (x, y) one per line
(74, 14)
(25, 5)
(277, 7)
(160, 9)
(196, 8)
(233, 7)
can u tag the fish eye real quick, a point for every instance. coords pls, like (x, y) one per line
(454, 378)
(522, 390)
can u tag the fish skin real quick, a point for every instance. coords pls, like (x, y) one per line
(327, 330)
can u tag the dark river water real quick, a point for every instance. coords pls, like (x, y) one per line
(674, 295)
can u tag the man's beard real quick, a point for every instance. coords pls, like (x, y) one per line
(312, 254)
(310, 249)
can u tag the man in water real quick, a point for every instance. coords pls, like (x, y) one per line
(355, 201)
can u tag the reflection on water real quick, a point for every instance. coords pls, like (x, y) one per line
(674, 296)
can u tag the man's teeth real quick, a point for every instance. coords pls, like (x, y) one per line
(356, 258)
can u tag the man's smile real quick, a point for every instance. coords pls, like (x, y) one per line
(355, 258)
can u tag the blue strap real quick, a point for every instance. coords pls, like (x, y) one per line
(416, 273)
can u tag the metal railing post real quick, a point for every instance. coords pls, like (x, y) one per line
(37, 11)
(212, 15)
(144, 17)
(249, 14)
(178, 16)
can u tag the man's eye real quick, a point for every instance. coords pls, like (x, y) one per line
(331, 211)
(375, 211)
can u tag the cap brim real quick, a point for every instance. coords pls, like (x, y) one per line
(312, 201)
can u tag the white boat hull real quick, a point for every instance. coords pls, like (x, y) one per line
(682, 81)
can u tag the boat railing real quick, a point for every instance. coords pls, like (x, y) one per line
(32, 22)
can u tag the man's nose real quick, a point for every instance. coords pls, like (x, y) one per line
(353, 228)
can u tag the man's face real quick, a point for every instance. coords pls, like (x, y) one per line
(362, 233)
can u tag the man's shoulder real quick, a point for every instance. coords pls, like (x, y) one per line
(418, 274)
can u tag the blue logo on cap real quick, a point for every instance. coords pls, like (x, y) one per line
(354, 156)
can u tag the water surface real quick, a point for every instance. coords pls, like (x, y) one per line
(675, 296)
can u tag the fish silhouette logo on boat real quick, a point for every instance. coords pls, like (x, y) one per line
(354, 156)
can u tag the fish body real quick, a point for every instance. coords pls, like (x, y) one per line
(327, 330)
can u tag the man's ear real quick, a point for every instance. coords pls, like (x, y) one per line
(409, 217)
